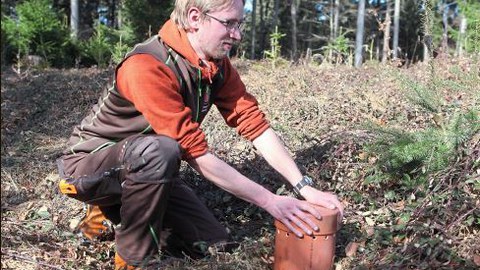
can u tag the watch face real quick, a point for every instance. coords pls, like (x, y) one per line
(308, 180)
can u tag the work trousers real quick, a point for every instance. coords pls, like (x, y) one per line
(135, 183)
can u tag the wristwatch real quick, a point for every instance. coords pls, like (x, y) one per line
(306, 181)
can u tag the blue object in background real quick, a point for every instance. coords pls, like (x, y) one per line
(103, 15)
(248, 6)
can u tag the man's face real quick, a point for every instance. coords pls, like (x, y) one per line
(219, 31)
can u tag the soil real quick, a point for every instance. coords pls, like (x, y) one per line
(320, 112)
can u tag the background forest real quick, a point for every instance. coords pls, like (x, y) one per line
(377, 100)
(80, 33)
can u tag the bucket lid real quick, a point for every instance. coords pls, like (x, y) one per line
(327, 225)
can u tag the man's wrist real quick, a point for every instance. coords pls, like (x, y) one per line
(298, 187)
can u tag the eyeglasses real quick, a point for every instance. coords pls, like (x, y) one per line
(229, 24)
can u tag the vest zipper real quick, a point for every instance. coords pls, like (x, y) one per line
(199, 95)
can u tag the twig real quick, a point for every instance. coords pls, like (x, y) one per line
(23, 258)
(427, 199)
(460, 218)
(10, 178)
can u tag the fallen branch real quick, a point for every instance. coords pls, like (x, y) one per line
(462, 217)
(29, 260)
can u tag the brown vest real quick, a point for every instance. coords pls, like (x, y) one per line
(114, 118)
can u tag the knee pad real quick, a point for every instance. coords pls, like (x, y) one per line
(152, 159)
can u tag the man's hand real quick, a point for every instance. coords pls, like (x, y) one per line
(287, 210)
(325, 199)
(291, 211)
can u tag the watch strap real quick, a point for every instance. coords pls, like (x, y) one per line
(306, 181)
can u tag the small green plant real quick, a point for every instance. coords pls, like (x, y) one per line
(427, 96)
(421, 152)
(124, 44)
(339, 49)
(119, 50)
(410, 156)
(427, 26)
(35, 30)
(108, 45)
(471, 9)
(275, 47)
(98, 46)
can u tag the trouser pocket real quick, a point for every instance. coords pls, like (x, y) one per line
(100, 188)
(103, 189)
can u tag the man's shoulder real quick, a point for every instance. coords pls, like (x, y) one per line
(152, 46)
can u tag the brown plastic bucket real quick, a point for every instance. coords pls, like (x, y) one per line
(311, 252)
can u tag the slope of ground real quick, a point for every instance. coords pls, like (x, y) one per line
(319, 111)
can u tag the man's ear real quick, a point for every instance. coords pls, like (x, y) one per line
(194, 18)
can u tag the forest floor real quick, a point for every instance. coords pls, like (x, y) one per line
(321, 113)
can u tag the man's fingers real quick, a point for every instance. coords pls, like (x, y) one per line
(309, 222)
(307, 207)
(292, 228)
(327, 204)
(330, 201)
(302, 221)
(300, 216)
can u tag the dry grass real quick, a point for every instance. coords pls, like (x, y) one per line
(319, 111)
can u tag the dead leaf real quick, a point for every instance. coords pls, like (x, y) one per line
(372, 160)
(399, 205)
(73, 224)
(351, 249)
(398, 239)
(370, 231)
(268, 259)
(438, 119)
(362, 156)
(43, 212)
(369, 221)
(476, 259)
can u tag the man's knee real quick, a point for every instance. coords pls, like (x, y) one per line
(152, 158)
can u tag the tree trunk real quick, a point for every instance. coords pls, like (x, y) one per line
(74, 19)
(336, 15)
(119, 19)
(112, 8)
(386, 34)
(359, 36)
(293, 12)
(445, 29)
(461, 35)
(331, 20)
(396, 28)
(426, 52)
(276, 12)
(262, 26)
(253, 30)
(309, 34)
(377, 48)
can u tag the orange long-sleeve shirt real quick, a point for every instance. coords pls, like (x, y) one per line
(154, 90)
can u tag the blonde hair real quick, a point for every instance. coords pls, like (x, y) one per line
(180, 12)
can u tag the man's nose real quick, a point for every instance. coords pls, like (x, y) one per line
(236, 34)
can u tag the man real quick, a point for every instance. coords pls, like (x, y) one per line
(124, 157)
